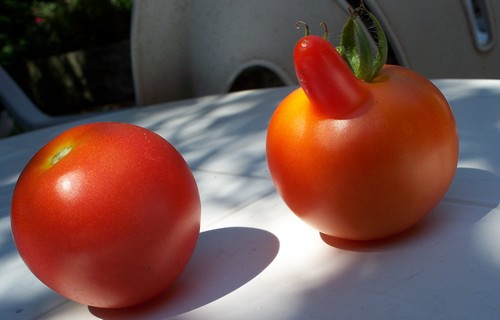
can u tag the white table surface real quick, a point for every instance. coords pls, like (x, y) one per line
(256, 260)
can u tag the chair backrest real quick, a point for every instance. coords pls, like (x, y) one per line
(445, 38)
(186, 48)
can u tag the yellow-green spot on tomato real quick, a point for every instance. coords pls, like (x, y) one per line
(61, 154)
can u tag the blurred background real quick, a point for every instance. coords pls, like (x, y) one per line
(84, 56)
(68, 56)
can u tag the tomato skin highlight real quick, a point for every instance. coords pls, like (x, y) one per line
(373, 172)
(111, 224)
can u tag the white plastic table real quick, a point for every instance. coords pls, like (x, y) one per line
(256, 260)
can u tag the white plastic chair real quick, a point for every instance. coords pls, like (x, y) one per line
(186, 48)
(23, 110)
(445, 38)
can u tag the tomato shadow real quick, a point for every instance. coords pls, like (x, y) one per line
(224, 260)
(445, 267)
(470, 186)
(429, 225)
(385, 244)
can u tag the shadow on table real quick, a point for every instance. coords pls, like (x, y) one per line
(224, 260)
(446, 267)
(218, 133)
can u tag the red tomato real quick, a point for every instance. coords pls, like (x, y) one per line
(106, 214)
(355, 159)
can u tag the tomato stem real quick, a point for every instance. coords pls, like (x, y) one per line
(364, 55)
(306, 27)
(326, 34)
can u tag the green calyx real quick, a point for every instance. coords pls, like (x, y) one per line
(364, 55)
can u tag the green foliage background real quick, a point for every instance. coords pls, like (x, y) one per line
(31, 29)
(68, 56)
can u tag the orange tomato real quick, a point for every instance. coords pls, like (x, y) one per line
(365, 160)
